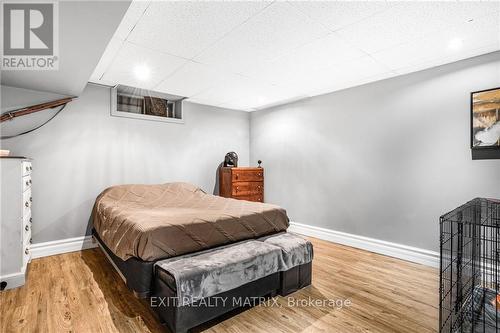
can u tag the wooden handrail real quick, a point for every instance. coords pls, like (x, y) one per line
(34, 108)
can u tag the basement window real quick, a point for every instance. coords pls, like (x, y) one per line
(145, 104)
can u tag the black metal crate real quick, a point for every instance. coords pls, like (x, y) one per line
(470, 268)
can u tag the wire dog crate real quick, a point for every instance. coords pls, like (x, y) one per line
(470, 268)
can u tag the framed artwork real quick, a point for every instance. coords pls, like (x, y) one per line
(485, 121)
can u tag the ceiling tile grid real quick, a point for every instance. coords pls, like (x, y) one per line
(110, 52)
(131, 18)
(338, 14)
(435, 46)
(130, 56)
(249, 55)
(412, 20)
(323, 52)
(278, 29)
(340, 76)
(194, 78)
(184, 28)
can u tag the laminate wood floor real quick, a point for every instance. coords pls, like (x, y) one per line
(81, 292)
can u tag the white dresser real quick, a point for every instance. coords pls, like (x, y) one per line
(15, 226)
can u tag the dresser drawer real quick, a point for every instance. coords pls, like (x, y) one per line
(242, 183)
(26, 232)
(247, 188)
(27, 201)
(26, 182)
(247, 175)
(255, 197)
(26, 166)
(26, 255)
(27, 219)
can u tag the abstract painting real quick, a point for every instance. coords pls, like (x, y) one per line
(485, 119)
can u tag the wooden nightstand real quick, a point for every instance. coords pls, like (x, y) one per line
(242, 183)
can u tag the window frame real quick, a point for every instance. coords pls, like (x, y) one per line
(177, 100)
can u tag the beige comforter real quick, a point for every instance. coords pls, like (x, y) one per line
(152, 222)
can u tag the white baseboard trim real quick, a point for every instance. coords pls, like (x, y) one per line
(14, 280)
(409, 253)
(413, 254)
(61, 246)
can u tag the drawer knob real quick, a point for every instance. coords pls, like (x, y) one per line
(27, 168)
(31, 199)
(31, 168)
(30, 181)
(31, 220)
(31, 240)
(236, 176)
(26, 228)
(27, 251)
(27, 183)
(26, 204)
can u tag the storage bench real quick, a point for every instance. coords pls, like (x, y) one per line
(192, 289)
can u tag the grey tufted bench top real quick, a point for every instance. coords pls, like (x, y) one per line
(207, 273)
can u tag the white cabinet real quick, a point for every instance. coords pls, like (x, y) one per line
(15, 226)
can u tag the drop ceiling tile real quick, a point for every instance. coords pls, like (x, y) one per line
(109, 54)
(407, 21)
(223, 91)
(446, 60)
(252, 94)
(435, 48)
(191, 79)
(349, 83)
(134, 13)
(255, 54)
(185, 28)
(243, 93)
(339, 75)
(338, 14)
(260, 95)
(121, 70)
(268, 35)
(320, 53)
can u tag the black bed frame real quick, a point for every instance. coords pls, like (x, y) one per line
(146, 280)
(137, 274)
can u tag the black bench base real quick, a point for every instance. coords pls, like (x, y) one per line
(144, 279)
(180, 319)
(295, 278)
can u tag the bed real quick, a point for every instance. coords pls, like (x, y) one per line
(137, 225)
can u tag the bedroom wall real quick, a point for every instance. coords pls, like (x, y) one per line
(85, 150)
(383, 160)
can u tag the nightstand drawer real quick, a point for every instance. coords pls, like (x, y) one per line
(247, 175)
(247, 188)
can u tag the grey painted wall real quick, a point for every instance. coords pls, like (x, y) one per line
(383, 160)
(84, 150)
